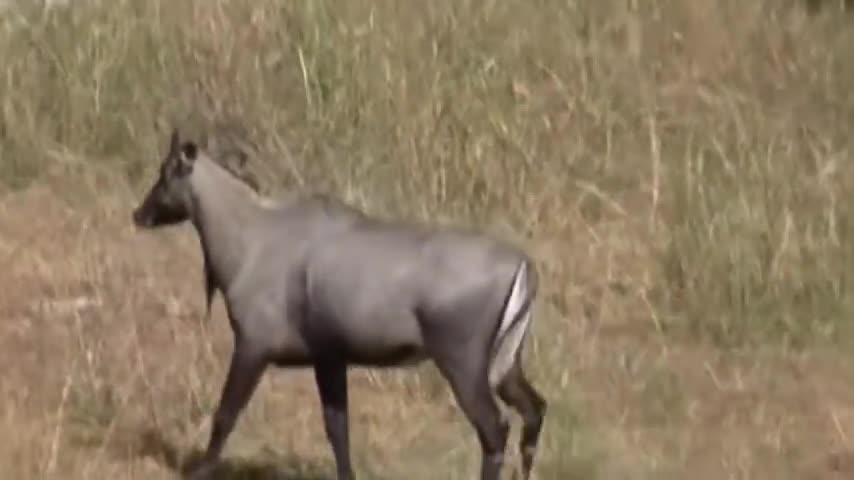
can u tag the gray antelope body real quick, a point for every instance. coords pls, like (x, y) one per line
(309, 281)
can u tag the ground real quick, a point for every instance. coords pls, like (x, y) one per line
(679, 171)
(111, 372)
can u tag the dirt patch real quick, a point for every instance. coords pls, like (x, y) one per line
(103, 327)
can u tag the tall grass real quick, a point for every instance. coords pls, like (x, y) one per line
(724, 125)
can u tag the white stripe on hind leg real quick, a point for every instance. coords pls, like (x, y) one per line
(506, 353)
(512, 330)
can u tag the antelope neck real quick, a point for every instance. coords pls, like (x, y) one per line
(222, 213)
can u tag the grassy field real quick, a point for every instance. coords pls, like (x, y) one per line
(680, 170)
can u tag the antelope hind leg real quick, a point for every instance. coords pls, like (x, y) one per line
(516, 391)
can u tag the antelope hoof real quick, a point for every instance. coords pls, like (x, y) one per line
(201, 470)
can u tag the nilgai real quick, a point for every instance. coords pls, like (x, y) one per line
(310, 281)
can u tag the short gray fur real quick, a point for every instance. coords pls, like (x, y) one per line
(309, 281)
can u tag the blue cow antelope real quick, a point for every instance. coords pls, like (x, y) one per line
(309, 281)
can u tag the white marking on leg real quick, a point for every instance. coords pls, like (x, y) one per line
(511, 334)
(506, 353)
(496, 459)
(518, 292)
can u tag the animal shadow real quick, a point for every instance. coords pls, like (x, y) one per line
(153, 444)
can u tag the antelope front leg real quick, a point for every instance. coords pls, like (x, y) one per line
(332, 386)
(243, 375)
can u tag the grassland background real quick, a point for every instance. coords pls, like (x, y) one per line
(680, 170)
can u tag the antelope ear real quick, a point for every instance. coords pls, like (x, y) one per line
(184, 157)
(189, 151)
(174, 142)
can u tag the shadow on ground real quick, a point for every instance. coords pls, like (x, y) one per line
(153, 444)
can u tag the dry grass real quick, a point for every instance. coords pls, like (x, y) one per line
(680, 169)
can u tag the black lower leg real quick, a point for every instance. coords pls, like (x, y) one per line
(243, 375)
(332, 386)
(518, 393)
(492, 433)
(531, 429)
